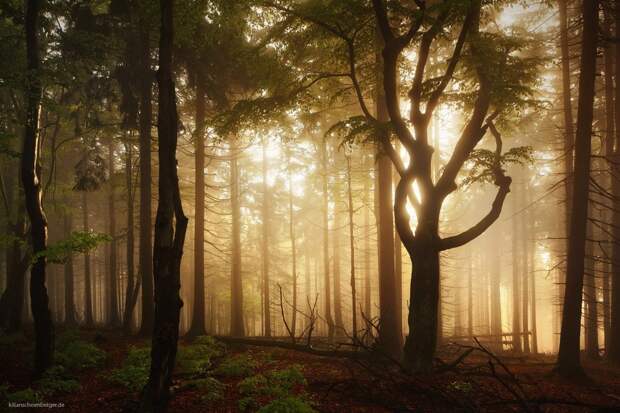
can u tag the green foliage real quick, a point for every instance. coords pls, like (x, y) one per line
(211, 388)
(13, 340)
(78, 242)
(196, 357)
(76, 354)
(482, 162)
(290, 404)
(27, 395)
(277, 385)
(237, 366)
(135, 370)
(57, 380)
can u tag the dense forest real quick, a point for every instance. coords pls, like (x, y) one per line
(310, 205)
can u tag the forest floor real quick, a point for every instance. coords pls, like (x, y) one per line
(102, 371)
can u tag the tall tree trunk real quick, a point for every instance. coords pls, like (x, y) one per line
(336, 258)
(525, 273)
(88, 298)
(398, 273)
(236, 303)
(16, 261)
(496, 306)
(516, 285)
(112, 318)
(145, 247)
(132, 288)
(568, 356)
(390, 331)
(589, 292)
(170, 228)
(291, 215)
(352, 249)
(68, 267)
(327, 289)
(367, 269)
(470, 296)
(198, 318)
(266, 209)
(614, 336)
(31, 181)
(607, 216)
(534, 328)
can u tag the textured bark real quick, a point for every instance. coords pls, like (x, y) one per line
(336, 257)
(325, 212)
(145, 246)
(70, 312)
(568, 356)
(198, 317)
(112, 318)
(266, 210)
(132, 288)
(614, 336)
(31, 181)
(291, 216)
(170, 228)
(88, 298)
(352, 249)
(390, 330)
(525, 274)
(236, 310)
(516, 285)
(589, 293)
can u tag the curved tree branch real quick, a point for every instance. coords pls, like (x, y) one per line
(503, 183)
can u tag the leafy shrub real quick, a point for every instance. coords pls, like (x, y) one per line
(135, 370)
(23, 396)
(277, 385)
(290, 404)
(196, 357)
(211, 388)
(76, 354)
(238, 366)
(57, 380)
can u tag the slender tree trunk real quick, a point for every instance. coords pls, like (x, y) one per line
(336, 258)
(533, 300)
(12, 301)
(145, 259)
(88, 301)
(367, 269)
(589, 289)
(470, 297)
(516, 287)
(607, 216)
(170, 228)
(327, 296)
(525, 273)
(568, 356)
(496, 308)
(291, 214)
(390, 331)
(113, 318)
(613, 350)
(352, 248)
(236, 310)
(68, 267)
(132, 288)
(398, 272)
(31, 181)
(198, 318)
(266, 209)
